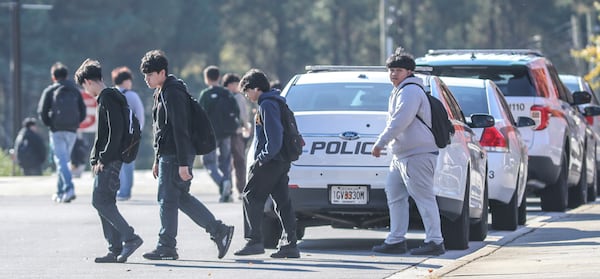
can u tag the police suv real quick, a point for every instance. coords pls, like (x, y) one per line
(340, 111)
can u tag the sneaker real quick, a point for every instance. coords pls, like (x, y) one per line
(287, 251)
(226, 191)
(396, 248)
(109, 258)
(56, 198)
(68, 196)
(162, 253)
(429, 249)
(223, 240)
(251, 249)
(129, 247)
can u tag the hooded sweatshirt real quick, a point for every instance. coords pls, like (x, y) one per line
(111, 126)
(408, 135)
(171, 120)
(269, 129)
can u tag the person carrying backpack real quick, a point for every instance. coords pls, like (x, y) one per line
(415, 155)
(30, 148)
(268, 174)
(106, 163)
(62, 109)
(223, 112)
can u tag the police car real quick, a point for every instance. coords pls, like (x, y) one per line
(340, 111)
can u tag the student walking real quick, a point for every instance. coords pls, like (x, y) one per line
(30, 149)
(106, 163)
(174, 160)
(415, 155)
(269, 173)
(62, 109)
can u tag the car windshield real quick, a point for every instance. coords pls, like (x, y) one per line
(471, 99)
(512, 81)
(339, 97)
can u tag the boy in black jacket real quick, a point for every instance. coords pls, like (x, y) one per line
(174, 160)
(106, 163)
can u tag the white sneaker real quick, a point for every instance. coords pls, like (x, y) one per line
(56, 197)
(68, 196)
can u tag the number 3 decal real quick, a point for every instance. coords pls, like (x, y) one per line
(491, 174)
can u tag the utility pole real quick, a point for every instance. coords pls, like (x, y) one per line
(382, 31)
(15, 59)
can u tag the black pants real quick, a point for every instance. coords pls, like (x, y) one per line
(268, 179)
(116, 229)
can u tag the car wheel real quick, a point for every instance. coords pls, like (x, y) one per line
(479, 229)
(522, 219)
(592, 190)
(505, 216)
(271, 229)
(554, 196)
(456, 232)
(578, 193)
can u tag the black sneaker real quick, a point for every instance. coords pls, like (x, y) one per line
(429, 249)
(251, 249)
(287, 251)
(162, 253)
(129, 247)
(109, 258)
(396, 248)
(223, 240)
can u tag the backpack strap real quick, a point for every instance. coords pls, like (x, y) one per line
(423, 89)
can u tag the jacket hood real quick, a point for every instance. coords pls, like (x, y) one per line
(113, 95)
(273, 94)
(411, 79)
(173, 82)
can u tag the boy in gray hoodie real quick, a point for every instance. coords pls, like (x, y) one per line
(415, 155)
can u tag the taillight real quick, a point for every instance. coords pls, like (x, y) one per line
(541, 115)
(493, 140)
(590, 120)
(293, 186)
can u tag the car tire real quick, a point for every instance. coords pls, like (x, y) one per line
(554, 196)
(456, 232)
(578, 193)
(522, 219)
(505, 217)
(592, 190)
(271, 229)
(479, 229)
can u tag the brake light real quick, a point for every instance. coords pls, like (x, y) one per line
(293, 186)
(493, 140)
(541, 115)
(590, 120)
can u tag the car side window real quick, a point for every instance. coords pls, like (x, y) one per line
(506, 110)
(563, 92)
(452, 104)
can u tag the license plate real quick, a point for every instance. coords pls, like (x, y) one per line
(349, 194)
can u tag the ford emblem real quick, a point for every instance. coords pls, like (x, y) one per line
(349, 135)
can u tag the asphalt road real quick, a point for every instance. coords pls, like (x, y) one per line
(41, 239)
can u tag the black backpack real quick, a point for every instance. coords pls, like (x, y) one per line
(64, 111)
(130, 143)
(292, 139)
(441, 127)
(224, 114)
(201, 130)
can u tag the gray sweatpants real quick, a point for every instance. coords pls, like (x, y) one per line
(412, 176)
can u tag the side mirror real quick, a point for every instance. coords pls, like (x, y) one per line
(524, 121)
(481, 121)
(581, 97)
(591, 110)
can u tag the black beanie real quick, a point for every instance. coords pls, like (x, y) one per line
(401, 59)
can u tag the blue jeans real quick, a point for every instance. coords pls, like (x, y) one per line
(174, 195)
(220, 171)
(116, 229)
(62, 143)
(126, 177)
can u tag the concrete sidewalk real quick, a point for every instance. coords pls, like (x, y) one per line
(560, 245)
